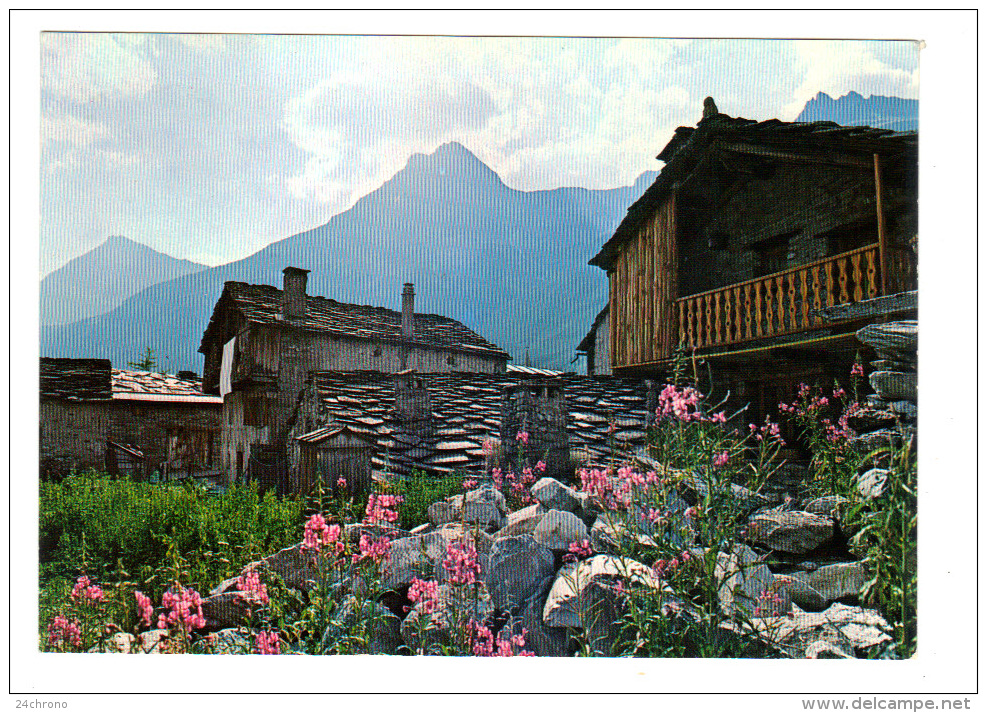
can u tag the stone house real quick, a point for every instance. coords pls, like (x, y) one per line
(262, 342)
(749, 247)
(439, 423)
(125, 421)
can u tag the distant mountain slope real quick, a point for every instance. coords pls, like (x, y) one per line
(511, 265)
(853, 110)
(100, 280)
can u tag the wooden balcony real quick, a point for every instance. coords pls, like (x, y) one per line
(785, 302)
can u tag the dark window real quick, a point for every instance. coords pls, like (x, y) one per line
(851, 236)
(772, 255)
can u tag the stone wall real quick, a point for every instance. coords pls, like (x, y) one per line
(539, 409)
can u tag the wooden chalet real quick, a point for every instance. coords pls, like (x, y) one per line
(751, 245)
(262, 342)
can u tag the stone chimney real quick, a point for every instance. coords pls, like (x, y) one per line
(408, 311)
(294, 301)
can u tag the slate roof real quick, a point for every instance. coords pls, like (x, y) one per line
(261, 304)
(466, 410)
(129, 385)
(76, 379)
(96, 380)
(688, 144)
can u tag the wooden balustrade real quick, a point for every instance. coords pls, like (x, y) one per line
(785, 302)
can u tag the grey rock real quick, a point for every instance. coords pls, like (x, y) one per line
(743, 582)
(905, 409)
(867, 309)
(228, 610)
(414, 557)
(523, 521)
(802, 593)
(601, 607)
(872, 483)
(121, 642)
(544, 640)
(825, 650)
(558, 529)
(796, 532)
(892, 340)
(836, 581)
(554, 495)
(561, 605)
(845, 627)
(485, 514)
(362, 627)
(867, 443)
(441, 512)
(517, 566)
(486, 493)
(355, 530)
(895, 385)
(231, 642)
(826, 506)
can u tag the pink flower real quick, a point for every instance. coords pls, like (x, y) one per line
(63, 631)
(144, 607)
(375, 550)
(86, 591)
(857, 370)
(497, 475)
(540, 466)
(341, 482)
(382, 508)
(425, 593)
(250, 583)
(581, 548)
(469, 484)
(268, 642)
(718, 417)
(488, 446)
(486, 644)
(691, 512)
(522, 437)
(184, 610)
(461, 563)
(721, 460)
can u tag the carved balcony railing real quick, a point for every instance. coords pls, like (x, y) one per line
(785, 302)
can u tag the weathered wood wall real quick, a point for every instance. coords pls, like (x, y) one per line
(642, 290)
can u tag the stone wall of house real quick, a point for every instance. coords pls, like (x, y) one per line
(74, 434)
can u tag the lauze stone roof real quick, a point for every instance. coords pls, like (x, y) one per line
(96, 380)
(466, 410)
(261, 304)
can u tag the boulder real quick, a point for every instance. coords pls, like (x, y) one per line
(825, 650)
(355, 530)
(892, 340)
(554, 495)
(523, 521)
(412, 557)
(800, 592)
(601, 606)
(153, 641)
(746, 587)
(230, 609)
(562, 603)
(120, 643)
(299, 570)
(442, 512)
(905, 409)
(544, 640)
(895, 385)
(872, 483)
(867, 443)
(362, 627)
(836, 581)
(796, 532)
(231, 641)
(484, 514)
(455, 607)
(486, 493)
(517, 566)
(851, 629)
(826, 506)
(558, 529)
(871, 419)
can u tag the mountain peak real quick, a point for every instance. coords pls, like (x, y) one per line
(450, 162)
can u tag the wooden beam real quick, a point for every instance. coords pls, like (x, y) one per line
(882, 237)
(793, 156)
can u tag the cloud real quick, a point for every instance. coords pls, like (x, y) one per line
(84, 67)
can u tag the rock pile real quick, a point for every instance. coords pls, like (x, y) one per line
(559, 571)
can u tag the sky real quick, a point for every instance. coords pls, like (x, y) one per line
(209, 147)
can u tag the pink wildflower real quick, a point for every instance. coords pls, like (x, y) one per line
(425, 593)
(144, 607)
(486, 644)
(691, 512)
(341, 482)
(64, 631)
(522, 437)
(461, 563)
(488, 446)
(184, 609)
(85, 590)
(540, 466)
(375, 550)
(382, 508)
(250, 583)
(469, 484)
(581, 548)
(857, 370)
(319, 534)
(718, 417)
(497, 475)
(721, 460)
(268, 642)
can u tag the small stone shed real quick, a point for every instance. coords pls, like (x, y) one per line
(125, 421)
